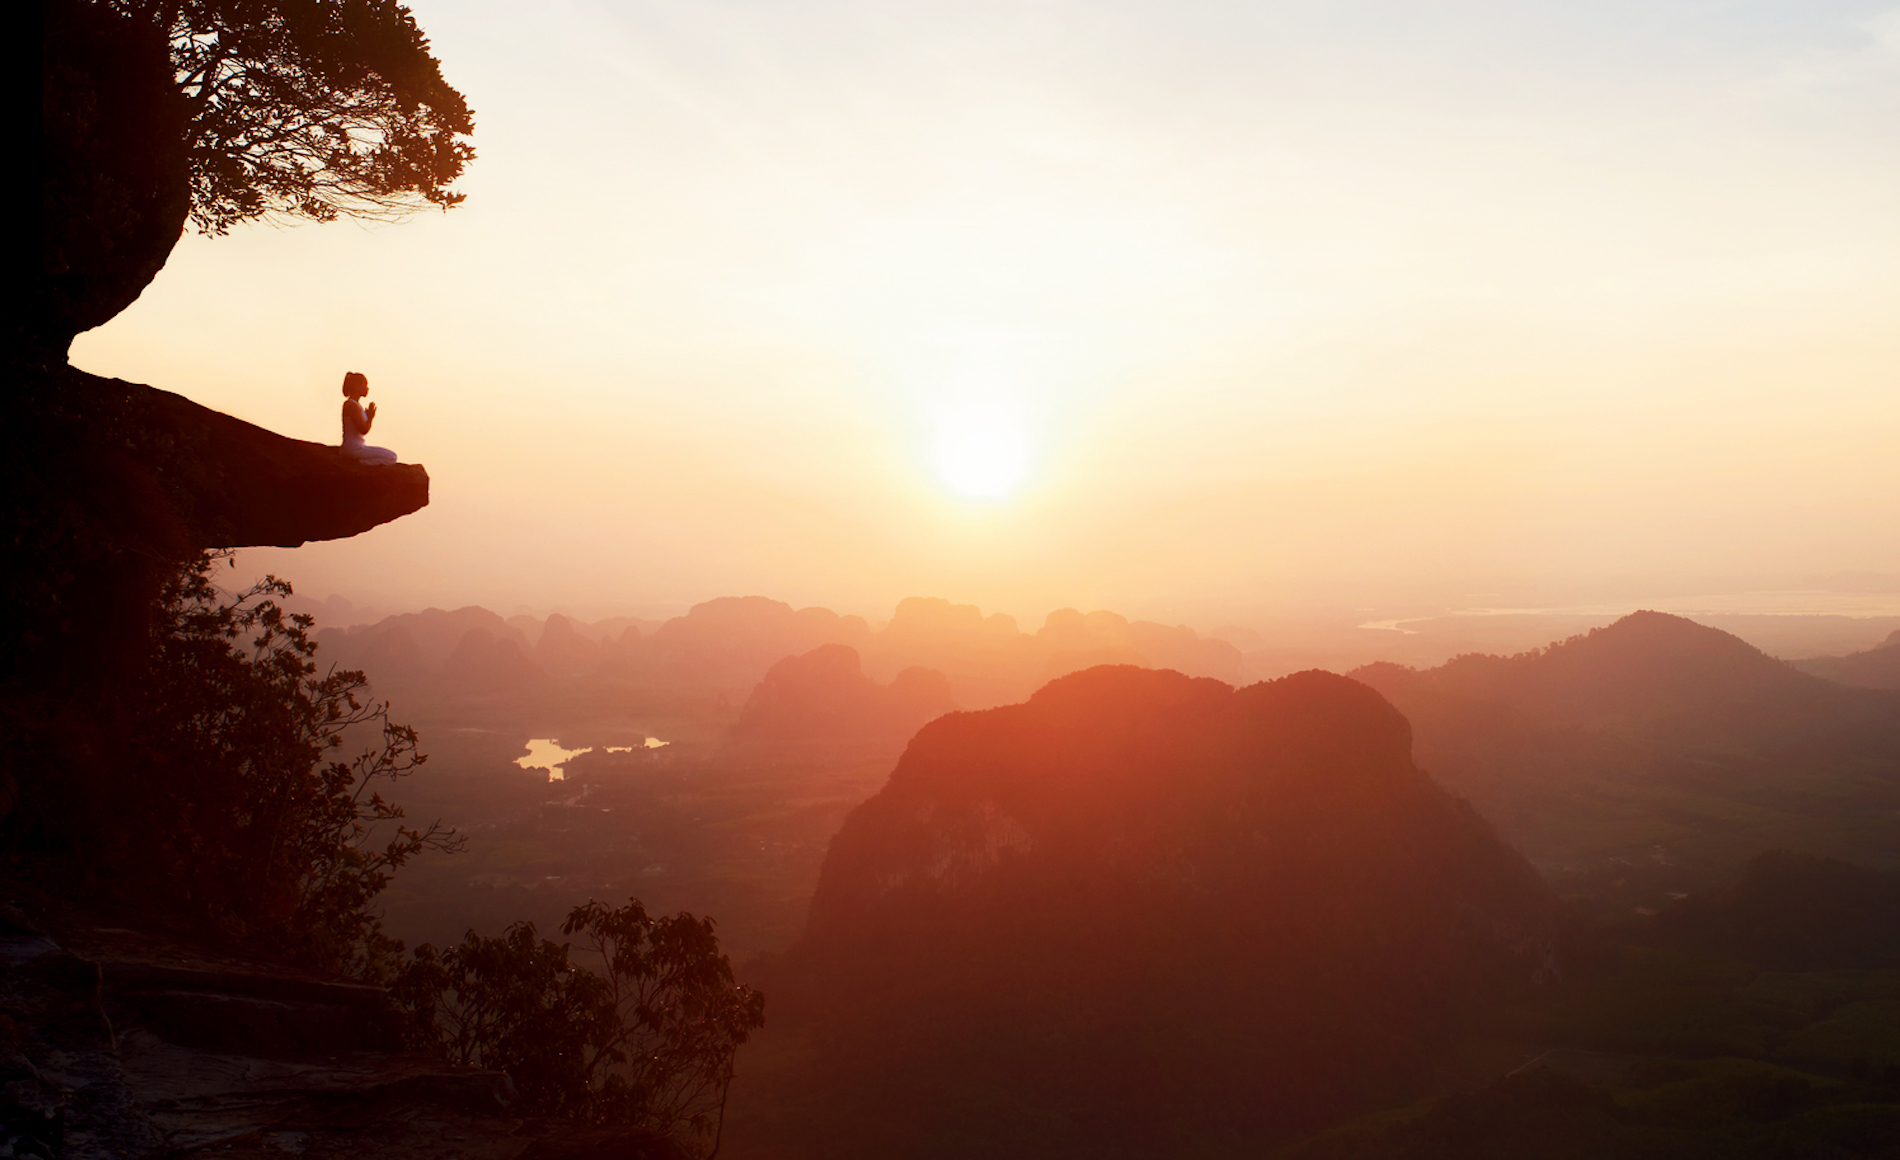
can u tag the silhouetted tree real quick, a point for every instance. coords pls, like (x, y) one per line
(648, 1040)
(310, 108)
(241, 802)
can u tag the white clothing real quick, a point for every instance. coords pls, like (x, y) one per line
(354, 423)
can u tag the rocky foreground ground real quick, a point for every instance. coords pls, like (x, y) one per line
(123, 1044)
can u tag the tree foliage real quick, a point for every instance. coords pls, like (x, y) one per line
(245, 805)
(647, 1039)
(311, 108)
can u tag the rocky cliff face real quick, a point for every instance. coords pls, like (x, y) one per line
(109, 484)
(113, 171)
(1142, 908)
(112, 467)
(1148, 781)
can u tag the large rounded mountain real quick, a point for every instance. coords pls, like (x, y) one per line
(1143, 911)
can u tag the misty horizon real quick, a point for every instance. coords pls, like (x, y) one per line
(1792, 624)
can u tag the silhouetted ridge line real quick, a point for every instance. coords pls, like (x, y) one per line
(1874, 668)
(1656, 755)
(1647, 670)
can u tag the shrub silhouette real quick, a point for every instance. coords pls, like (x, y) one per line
(649, 1040)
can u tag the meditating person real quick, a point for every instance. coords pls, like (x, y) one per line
(356, 423)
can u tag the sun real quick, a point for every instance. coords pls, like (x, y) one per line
(982, 454)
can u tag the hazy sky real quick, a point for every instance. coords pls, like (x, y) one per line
(1162, 307)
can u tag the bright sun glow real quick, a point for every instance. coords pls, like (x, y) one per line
(982, 454)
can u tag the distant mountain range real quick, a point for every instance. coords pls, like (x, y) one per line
(1874, 668)
(823, 697)
(1658, 750)
(724, 648)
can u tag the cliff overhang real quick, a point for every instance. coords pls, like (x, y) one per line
(180, 476)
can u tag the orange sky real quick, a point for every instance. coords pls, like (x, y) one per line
(1185, 308)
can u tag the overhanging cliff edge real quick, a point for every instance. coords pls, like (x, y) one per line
(228, 483)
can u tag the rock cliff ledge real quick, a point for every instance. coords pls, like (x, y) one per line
(186, 476)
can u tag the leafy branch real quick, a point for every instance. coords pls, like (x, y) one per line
(310, 109)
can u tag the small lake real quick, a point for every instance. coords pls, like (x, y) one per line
(1394, 625)
(546, 753)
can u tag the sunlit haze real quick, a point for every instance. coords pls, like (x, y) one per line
(1190, 310)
